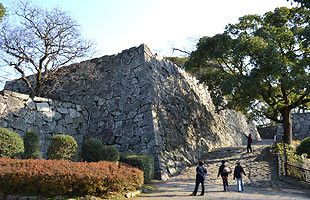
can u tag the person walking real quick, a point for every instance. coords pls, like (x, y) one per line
(224, 171)
(201, 173)
(238, 175)
(249, 141)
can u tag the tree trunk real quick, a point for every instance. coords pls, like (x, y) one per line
(287, 126)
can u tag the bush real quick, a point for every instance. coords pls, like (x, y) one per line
(304, 147)
(11, 144)
(91, 150)
(141, 161)
(62, 147)
(110, 153)
(32, 145)
(50, 178)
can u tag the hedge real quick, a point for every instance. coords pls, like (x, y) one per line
(91, 150)
(142, 161)
(110, 153)
(62, 147)
(11, 144)
(50, 178)
(304, 147)
(32, 145)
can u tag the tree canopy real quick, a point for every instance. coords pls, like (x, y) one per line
(2, 11)
(259, 66)
(40, 41)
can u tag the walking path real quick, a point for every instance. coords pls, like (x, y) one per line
(261, 182)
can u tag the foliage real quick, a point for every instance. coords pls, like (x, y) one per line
(32, 145)
(110, 153)
(259, 66)
(62, 147)
(179, 61)
(304, 147)
(11, 144)
(91, 150)
(40, 41)
(305, 3)
(50, 178)
(2, 11)
(141, 161)
(292, 157)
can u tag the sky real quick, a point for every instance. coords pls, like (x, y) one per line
(115, 25)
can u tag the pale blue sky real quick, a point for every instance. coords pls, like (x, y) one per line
(115, 25)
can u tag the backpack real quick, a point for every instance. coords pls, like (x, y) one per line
(226, 170)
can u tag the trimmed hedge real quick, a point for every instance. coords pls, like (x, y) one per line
(141, 161)
(304, 147)
(11, 144)
(32, 145)
(65, 178)
(62, 147)
(91, 150)
(110, 153)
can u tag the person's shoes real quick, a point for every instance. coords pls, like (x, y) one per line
(192, 194)
(201, 194)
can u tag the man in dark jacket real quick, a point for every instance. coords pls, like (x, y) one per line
(201, 172)
(250, 141)
(238, 175)
(224, 172)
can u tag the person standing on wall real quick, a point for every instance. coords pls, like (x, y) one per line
(201, 173)
(238, 175)
(249, 145)
(224, 171)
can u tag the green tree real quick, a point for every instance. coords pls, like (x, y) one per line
(259, 66)
(2, 11)
(305, 3)
(40, 41)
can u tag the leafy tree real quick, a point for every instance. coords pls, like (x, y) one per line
(259, 66)
(305, 3)
(40, 41)
(2, 11)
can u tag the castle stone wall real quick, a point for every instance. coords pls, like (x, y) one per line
(300, 126)
(142, 103)
(46, 117)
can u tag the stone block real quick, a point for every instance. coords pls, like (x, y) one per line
(43, 107)
(40, 99)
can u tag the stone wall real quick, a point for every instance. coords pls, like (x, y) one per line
(46, 117)
(300, 126)
(142, 103)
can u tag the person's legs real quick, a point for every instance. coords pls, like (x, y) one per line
(196, 187)
(225, 183)
(241, 184)
(202, 187)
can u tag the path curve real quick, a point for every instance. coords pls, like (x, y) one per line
(261, 182)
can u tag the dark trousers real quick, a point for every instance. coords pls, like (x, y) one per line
(198, 181)
(225, 182)
(249, 148)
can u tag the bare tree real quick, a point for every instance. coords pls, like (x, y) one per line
(41, 42)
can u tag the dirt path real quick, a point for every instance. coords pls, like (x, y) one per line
(261, 182)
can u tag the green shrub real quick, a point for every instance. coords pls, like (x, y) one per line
(11, 144)
(62, 147)
(110, 153)
(32, 145)
(50, 178)
(143, 162)
(292, 157)
(304, 147)
(91, 150)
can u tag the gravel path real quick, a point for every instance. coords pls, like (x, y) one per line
(261, 182)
